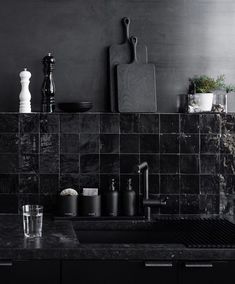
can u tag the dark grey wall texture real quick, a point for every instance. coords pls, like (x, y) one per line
(184, 37)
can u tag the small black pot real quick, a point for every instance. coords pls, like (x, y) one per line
(68, 205)
(90, 206)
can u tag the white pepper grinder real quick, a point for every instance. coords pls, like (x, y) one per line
(25, 96)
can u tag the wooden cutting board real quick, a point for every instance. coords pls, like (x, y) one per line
(136, 85)
(121, 54)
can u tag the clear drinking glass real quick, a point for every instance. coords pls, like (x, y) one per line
(32, 220)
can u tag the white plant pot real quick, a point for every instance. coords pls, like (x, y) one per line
(205, 101)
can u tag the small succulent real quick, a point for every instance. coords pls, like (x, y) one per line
(68, 191)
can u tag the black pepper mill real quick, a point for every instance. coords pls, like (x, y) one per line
(48, 86)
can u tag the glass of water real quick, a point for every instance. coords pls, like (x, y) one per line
(32, 220)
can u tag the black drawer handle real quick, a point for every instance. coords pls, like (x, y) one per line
(199, 265)
(6, 263)
(157, 264)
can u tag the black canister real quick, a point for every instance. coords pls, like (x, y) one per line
(90, 205)
(68, 205)
(111, 200)
(129, 200)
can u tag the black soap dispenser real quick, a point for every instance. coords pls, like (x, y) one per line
(111, 200)
(129, 200)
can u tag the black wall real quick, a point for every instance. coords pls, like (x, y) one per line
(183, 38)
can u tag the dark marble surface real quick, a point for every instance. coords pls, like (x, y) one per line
(59, 242)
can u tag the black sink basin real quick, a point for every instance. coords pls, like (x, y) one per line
(194, 233)
(123, 236)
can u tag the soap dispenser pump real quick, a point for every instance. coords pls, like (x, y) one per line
(129, 200)
(111, 200)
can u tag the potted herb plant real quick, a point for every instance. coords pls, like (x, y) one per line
(201, 92)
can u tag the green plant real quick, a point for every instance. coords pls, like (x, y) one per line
(229, 88)
(206, 84)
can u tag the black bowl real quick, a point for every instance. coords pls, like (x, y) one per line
(75, 107)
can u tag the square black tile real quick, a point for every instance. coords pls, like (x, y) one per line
(49, 143)
(189, 164)
(189, 143)
(209, 164)
(149, 143)
(172, 204)
(153, 184)
(189, 184)
(9, 163)
(169, 184)
(89, 181)
(49, 123)
(128, 163)
(29, 123)
(109, 163)
(9, 123)
(110, 123)
(227, 205)
(227, 144)
(209, 184)
(49, 163)
(210, 143)
(29, 183)
(189, 204)
(69, 181)
(69, 123)
(169, 143)
(169, 164)
(169, 123)
(129, 143)
(189, 123)
(109, 143)
(8, 203)
(89, 163)
(49, 202)
(29, 163)
(153, 162)
(209, 204)
(227, 184)
(227, 164)
(49, 184)
(9, 143)
(69, 163)
(106, 181)
(149, 123)
(89, 143)
(69, 143)
(89, 123)
(9, 183)
(228, 123)
(29, 143)
(129, 123)
(210, 123)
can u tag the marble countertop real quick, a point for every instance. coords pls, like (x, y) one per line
(59, 241)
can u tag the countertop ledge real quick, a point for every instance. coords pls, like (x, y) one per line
(59, 241)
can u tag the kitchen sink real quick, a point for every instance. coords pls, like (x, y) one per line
(193, 232)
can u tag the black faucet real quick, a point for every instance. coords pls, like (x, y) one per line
(148, 203)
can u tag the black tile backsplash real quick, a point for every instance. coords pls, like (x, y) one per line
(191, 157)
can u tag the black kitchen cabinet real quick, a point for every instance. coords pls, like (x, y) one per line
(116, 272)
(28, 272)
(206, 272)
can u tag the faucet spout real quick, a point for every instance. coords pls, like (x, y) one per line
(148, 203)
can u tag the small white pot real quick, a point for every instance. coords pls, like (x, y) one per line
(205, 101)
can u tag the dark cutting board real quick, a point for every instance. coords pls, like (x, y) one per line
(136, 85)
(121, 54)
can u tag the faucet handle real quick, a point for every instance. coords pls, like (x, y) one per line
(155, 202)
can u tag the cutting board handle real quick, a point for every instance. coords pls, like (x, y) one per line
(134, 42)
(126, 24)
